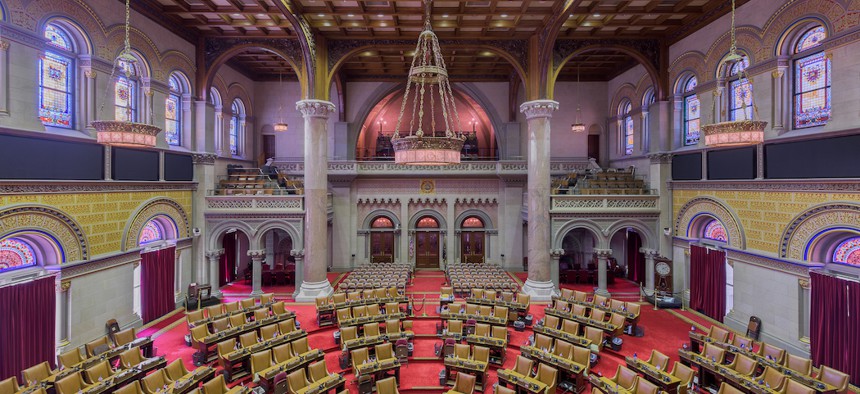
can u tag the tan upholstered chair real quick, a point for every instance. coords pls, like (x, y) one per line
(36, 373)
(773, 378)
(481, 353)
(582, 356)
(455, 327)
(371, 329)
(224, 348)
(194, 316)
(98, 372)
(125, 336)
(248, 303)
(392, 308)
(230, 307)
(600, 300)
(561, 305)
(131, 388)
(742, 342)
(384, 351)
(237, 320)
(563, 349)
(153, 382)
(485, 310)
(71, 384)
(446, 291)
(354, 295)
(343, 315)
(282, 353)
(338, 298)
(461, 351)
(633, 308)
(268, 332)
(799, 364)
(566, 294)
(261, 314)
(482, 330)
(267, 298)
(130, 358)
(524, 298)
(100, 344)
(287, 326)
(504, 390)
(248, 339)
(387, 386)
(214, 311)
(260, 361)
(795, 387)
(645, 387)
(317, 371)
(577, 310)
(500, 333)
(772, 352)
(348, 333)
(296, 381)
(659, 360)
(834, 378)
(70, 359)
(549, 376)
(726, 388)
(543, 342)
(580, 296)
(175, 370)
(598, 315)
(359, 356)
(199, 333)
(300, 346)
(9, 386)
(464, 384)
(625, 378)
(714, 353)
(523, 366)
(359, 311)
(596, 336)
(216, 386)
(223, 324)
(616, 304)
(551, 322)
(472, 309)
(373, 310)
(684, 373)
(279, 308)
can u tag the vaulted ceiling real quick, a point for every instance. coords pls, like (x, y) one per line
(453, 21)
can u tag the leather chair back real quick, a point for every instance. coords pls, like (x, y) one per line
(834, 378)
(726, 388)
(267, 298)
(230, 307)
(523, 298)
(773, 378)
(261, 361)
(70, 384)
(359, 311)
(523, 366)
(99, 345)
(551, 322)
(505, 390)
(98, 372)
(339, 298)
(598, 314)
(223, 324)
(772, 352)
(226, 347)
(582, 356)
(616, 304)
(194, 316)
(348, 333)
(296, 380)
(371, 329)
(600, 300)
(659, 360)
(131, 388)
(300, 346)
(543, 342)
(153, 382)
(563, 349)
(577, 310)
(794, 387)
(464, 383)
(317, 371)
(500, 332)
(36, 373)
(580, 296)
(561, 305)
(282, 353)
(625, 378)
(261, 314)
(359, 356)
(248, 339)
(718, 334)
(743, 365)
(633, 308)
(462, 351)
(481, 353)
(130, 357)
(799, 364)
(500, 311)
(392, 326)
(482, 330)
(9, 386)
(566, 294)
(384, 351)
(214, 311)
(199, 332)
(373, 310)
(596, 337)
(279, 308)
(714, 353)
(548, 375)
(70, 358)
(287, 326)
(645, 387)
(344, 314)
(386, 386)
(237, 320)
(125, 336)
(248, 303)
(215, 386)
(269, 332)
(175, 370)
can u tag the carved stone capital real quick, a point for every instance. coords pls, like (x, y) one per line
(90, 73)
(603, 253)
(804, 283)
(539, 108)
(64, 286)
(298, 253)
(203, 158)
(556, 253)
(649, 253)
(257, 254)
(777, 74)
(315, 108)
(148, 92)
(4, 45)
(660, 158)
(212, 254)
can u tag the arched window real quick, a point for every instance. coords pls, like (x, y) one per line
(16, 253)
(714, 230)
(692, 112)
(152, 231)
(382, 222)
(173, 111)
(624, 114)
(125, 92)
(740, 96)
(647, 100)
(848, 252)
(237, 125)
(811, 80)
(56, 79)
(473, 222)
(427, 222)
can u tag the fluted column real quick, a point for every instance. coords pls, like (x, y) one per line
(603, 256)
(649, 268)
(257, 257)
(299, 256)
(539, 283)
(314, 281)
(213, 271)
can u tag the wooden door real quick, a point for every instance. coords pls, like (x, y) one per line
(472, 246)
(594, 146)
(427, 249)
(268, 146)
(382, 247)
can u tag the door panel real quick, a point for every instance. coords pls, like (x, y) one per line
(472, 246)
(427, 249)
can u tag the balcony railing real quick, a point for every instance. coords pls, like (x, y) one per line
(245, 203)
(295, 166)
(604, 203)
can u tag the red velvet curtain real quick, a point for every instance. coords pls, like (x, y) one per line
(852, 351)
(708, 281)
(228, 259)
(635, 259)
(156, 283)
(834, 321)
(27, 326)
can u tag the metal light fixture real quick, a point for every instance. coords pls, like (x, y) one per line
(428, 79)
(280, 126)
(736, 132)
(577, 126)
(118, 132)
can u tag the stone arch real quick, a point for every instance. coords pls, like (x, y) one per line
(784, 20)
(712, 207)
(650, 69)
(146, 212)
(33, 16)
(642, 87)
(488, 222)
(258, 242)
(175, 61)
(588, 225)
(60, 226)
(808, 225)
(82, 41)
(626, 92)
(236, 90)
(721, 71)
(440, 218)
(142, 44)
(748, 42)
(690, 63)
(372, 215)
(216, 64)
(216, 233)
(649, 238)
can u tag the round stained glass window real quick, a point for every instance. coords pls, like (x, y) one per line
(714, 230)
(15, 254)
(848, 251)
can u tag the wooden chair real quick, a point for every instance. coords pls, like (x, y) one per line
(523, 366)
(834, 378)
(795, 387)
(645, 387)
(625, 378)
(98, 372)
(282, 353)
(464, 384)
(582, 356)
(659, 360)
(772, 378)
(36, 373)
(462, 351)
(9, 386)
(481, 353)
(718, 334)
(70, 358)
(98, 346)
(384, 351)
(125, 336)
(317, 371)
(219, 386)
(387, 386)
(714, 353)
(543, 342)
(772, 352)
(549, 376)
(175, 370)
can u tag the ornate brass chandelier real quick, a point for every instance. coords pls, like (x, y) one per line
(281, 126)
(742, 131)
(578, 126)
(433, 97)
(119, 132)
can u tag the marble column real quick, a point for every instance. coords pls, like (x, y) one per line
(555, 255)
(649, 268)
(214, 257)
(314, 282)
(603, 256)
(299, 256)
(539, 283)
(257, 257)
(779, 103)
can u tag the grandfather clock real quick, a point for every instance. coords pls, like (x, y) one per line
(663, 275)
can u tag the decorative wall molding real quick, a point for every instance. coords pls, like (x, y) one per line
(795, 268)
(315, 108)
(835, 185)
(427, 201)
(81, 268)
(475, 202)
(203, 158)
(293, 203)
(808, 225)
(539, 109)
(65, 230)
(149, 210)
(712, 207)
(378, 201)
(574, 203)
(63, 187)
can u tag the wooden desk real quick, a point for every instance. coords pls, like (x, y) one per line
(358, 321)
(606, 327)
(471, 367)
(247, 311)
(532, 385)
(498, 347)
(267, 376)
(632, 318)
(564, 336)
(331, 381)
(492, 320)
(605, 385)
(379, 366)
(114, 382)
(362, 302)
(570, 371)
(204, 355)
(519, 308)
(241, 356)
(662, 379)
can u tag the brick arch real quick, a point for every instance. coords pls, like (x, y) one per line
(716, 208)
(689, 63)
(234, 91)
(31, 15)
(178, 61)
(806, 226)
(749, 43)
(641, 87)
(69, 235)
(831, 14)
(626, 91)
(158, 206)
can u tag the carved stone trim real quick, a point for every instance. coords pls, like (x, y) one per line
(62, 227)
(378, 201)
(4, 45)
(427, 201)
(539, 108)
(809, 224)
(774, 263)
(7, 188)
(150, 209)
(660, 158)
(475, 201)
(203, 158)
(315, 108)
(556, 253)
(603, 253)
(843, 185)
(297, 253)
(804, 283)
(257, 254)
(713, 207)
(214, 253)
(214, 47)
(65, 285)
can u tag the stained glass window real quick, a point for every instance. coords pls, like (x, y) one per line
(427, 222)
(714, 230)
(627, 126)
(811, 39)
(692, 112)
(173, 112)
(125, 92)
(848, 251)
(473, 222)
(811, 90)
(56, 76)
(740, 98)
(382, 222)
(236, 125)
(152, 231)
(15, 254)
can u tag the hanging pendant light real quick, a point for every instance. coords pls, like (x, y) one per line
(119, 132)
(280, 126)
(736, 132)
(432, 96)
(577, 126)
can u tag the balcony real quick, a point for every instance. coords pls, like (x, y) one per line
(346, 168)
(255, 203)
(615, 203)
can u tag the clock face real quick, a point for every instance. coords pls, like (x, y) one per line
(663, 269)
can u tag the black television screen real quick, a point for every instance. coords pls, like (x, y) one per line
(687, 167)
(38, 158)
(134, 164)
(736, 163)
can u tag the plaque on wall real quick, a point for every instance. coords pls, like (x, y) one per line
(427, 186)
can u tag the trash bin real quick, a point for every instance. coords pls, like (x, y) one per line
(529, 319)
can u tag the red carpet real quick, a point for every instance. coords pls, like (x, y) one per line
(664, 331)
(165, 321)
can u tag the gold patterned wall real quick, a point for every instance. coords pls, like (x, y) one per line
(102, 216)
(764, 215)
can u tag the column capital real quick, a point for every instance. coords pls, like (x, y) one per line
(214, 253)
(603, 253)
(660, 158)
(315, 108)
(556, 253)
(538, 108)
(203, 158)
(257, 254)
(649, 253)
(64, 286)
(298, 253)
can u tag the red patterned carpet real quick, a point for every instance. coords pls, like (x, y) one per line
(664, 330)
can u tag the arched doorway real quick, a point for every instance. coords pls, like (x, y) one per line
(577, 264)
(626, 259)
(427, 242)
(472, 238)
(235, 259)
(382, 240)
(279, 266)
